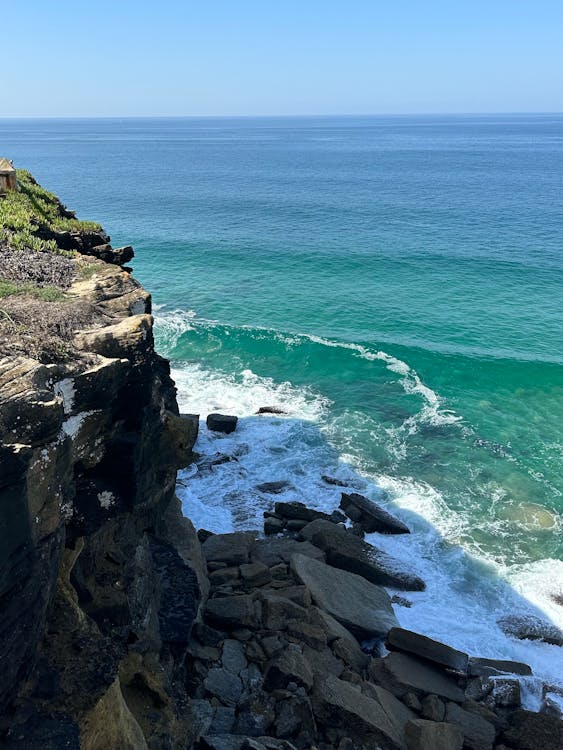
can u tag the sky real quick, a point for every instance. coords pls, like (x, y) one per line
(258, 57)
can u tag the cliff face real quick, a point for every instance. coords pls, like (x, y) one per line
(98, 572)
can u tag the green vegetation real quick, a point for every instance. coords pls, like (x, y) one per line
(30, 214)
(45, 293)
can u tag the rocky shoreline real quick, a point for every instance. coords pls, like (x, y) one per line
(123, 627)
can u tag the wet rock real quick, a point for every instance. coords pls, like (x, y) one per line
(370, 516)
(273, 488)
(481, 667)
(270, 410)
(299, 511)
(333, 480)
(478, 733)
(232, 549)
(399, 639)
(360, 606)
(429, 735)
(402, 673)
(221, 422)
(506, 691)
(532, 628)
(273, 526)
(346, 551)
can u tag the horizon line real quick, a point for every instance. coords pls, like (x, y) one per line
(282, 115)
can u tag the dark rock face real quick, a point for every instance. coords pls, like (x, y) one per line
(370, 516)
(221, 423)
(93, 585)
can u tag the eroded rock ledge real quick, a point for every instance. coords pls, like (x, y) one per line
(121, 628)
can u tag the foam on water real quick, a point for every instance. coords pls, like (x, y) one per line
(465, 595)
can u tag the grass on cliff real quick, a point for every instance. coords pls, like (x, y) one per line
(30, 214)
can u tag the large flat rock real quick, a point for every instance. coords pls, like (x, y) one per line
(402, 673)
(362, 607)
(347, 551)
(399, 639)
(231, 549)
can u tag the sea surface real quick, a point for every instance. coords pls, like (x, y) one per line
(395, 285)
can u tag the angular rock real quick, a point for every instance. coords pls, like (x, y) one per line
(278, 611)
(506, 691)
(289, 666)
(255, 574)
(530, 627)
(346, 551)
(274, 551)
(399, 639)
(402, 673)
(299, 511)
(479, 734)
(351, 654)
(339, 704)
(433, 708)
(233, 612)
(233, 658)
(273, 526)
(481, 667)
(430, 735)
(370, 516)
(232, 549)
(223, 685)
(221, 423)
(360, 606)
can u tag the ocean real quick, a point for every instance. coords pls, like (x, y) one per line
(395, 285)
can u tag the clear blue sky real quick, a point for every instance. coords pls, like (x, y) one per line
(248, 57)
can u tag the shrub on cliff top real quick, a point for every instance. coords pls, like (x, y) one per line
(30, 212)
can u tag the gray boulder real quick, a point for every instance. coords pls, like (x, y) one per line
(431, 735)
(530, 627)
(370, 516)
(399, 639)
(347, 551)
(231, 549)
(274, 551)
(299, 511)
(479, 734)
(233, 612)
(357, 604)
(289, 666)
(402, 673)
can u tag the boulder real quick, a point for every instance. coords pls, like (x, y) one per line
(433, 708)
(370, 516)
(347, 551)
(402, 673)
(399, 639)
(221, 423)
(532, 628)
(532, 731)
(431, 735)
(289, 666)
(231, 549)
(255, 574)
(278, 610)
(479, 734)
(338, 703)
(233, 612)
(274, 551)
(273, 526)
(480, 667)
(270, 410)
(299, 511)
(224, 685)
(362, 607)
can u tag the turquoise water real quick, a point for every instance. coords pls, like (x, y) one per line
(396, 283)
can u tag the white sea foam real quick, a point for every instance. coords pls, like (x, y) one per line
(465, 595)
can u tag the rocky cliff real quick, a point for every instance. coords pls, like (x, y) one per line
(121, 628)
